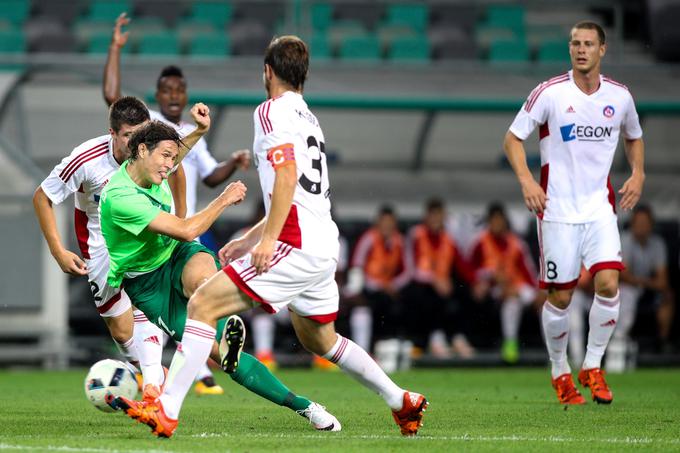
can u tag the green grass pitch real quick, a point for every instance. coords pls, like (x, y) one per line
(470, 410)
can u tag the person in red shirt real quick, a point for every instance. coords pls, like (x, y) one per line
(433, 258)
(377, 274)
(504, 272)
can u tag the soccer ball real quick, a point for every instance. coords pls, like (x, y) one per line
(109, 376)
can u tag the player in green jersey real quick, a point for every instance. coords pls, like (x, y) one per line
(153, 256)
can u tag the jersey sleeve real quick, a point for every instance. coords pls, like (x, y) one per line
(131, 210)
(278, 136)
(64, 180)
(533, 113)
(631, 122)
(205, 162)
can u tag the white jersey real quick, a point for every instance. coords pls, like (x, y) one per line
(287, 133)
(198, 164)
(578, 135)
(84, 173)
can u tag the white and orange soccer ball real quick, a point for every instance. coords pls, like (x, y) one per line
(109, 376)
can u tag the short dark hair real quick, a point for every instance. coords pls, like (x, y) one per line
(127, 110)
(386, 209)
(434, 204)
(169, 71)
(496, 208)
(288, 56)
(590, 25)
(643, 209)
(151, 134)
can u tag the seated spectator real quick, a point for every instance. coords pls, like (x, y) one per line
(504, 273)
(377, 274)
(644, 282)
(434, 313)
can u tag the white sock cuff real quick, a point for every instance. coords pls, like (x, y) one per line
(607, 301)
(139, 316)
(125, 346)
(336, 352)
(199, 331)
(554, 310)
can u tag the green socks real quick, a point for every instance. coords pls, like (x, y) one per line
(257, 378)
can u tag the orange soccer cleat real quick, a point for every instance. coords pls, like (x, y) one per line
(594, 379)
(151, 414)
(151, 391)
(566, 390)
(410, 416)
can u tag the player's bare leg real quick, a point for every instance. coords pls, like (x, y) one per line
(555, 320)
(321, 339)
(604, 315)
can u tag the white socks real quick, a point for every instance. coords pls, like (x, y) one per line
(361, 326)
(556, 331)
(263, 326)
(604, 315)
(129, 351)
(357, 363)
(511, 316)
(149, 340)
(194, 350)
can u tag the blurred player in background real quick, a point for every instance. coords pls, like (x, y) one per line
(288, 260)
(199, 164)
(580, 116)
(505, 273)
(644, 282)
(84, 173)
(434, 310)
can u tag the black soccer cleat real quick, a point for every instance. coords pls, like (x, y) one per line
(231, 343)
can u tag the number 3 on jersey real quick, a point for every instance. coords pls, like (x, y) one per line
(317, 151)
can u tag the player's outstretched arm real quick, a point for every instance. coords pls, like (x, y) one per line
(201, 115)
(533, 193)
(282, 199)
(111, 83)
(239, 160)
(68, 261)
(189, 229)
(178, 187)
(632, 188)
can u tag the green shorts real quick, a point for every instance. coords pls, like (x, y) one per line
(160, 294)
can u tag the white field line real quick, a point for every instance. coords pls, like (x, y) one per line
(648, 441)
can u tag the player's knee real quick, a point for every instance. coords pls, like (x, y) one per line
(607, 286)
(560, 299)
(199, 306)
(120, 328)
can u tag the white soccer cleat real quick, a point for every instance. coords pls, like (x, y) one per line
(320, 418)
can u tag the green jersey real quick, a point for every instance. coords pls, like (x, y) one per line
(126, 209)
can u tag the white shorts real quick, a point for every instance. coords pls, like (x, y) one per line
(110, 301)
(564, 246)
(303, 283)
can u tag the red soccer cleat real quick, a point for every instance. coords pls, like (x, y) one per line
(151, 414)
(566, 390)
(410, 417)
(594, 379)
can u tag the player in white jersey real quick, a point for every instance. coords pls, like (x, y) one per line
(199, 164)
(84, 173)
(289, 258)
(580, 116)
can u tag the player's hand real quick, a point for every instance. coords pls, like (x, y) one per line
(233, 250)
(234, 193)
(261, 255)
(241, 158)
(534, 196)
(201, 115)
(119, 38)
(70, 263)
(631, 191)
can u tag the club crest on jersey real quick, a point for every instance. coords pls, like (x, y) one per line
(608, 111)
